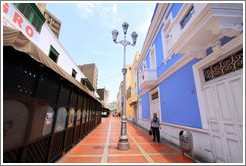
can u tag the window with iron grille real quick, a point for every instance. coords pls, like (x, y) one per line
(187, 17)
(225, 66)
(32, 13)
(155, 96)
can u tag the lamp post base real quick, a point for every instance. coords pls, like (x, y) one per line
(123, 144)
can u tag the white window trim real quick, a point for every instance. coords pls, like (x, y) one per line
(139, 75)
(140, 108)
(157, 89)
(145, 65)
(234, 45)
(150, 54)
(165, 31)
(169, 23)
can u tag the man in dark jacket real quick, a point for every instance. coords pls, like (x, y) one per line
(155, 125)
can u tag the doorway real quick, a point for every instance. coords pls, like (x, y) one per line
(155, 103)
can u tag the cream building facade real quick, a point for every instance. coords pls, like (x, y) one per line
(53, 22)
(119, 98)
(91, 72)
(104, 95)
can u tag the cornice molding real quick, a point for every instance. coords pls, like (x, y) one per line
(154, 26)
(196, 52)
(228, 29)
(174, 68)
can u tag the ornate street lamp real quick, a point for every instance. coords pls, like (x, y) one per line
(123, 143)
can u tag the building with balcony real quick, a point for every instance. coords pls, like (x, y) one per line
(128, 91)
(43, 97)
(190, 73)
(132, 93)
(53, 22)
(29, 19)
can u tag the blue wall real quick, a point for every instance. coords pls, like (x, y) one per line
(161, 68)
(159, 51)
(147, 61)
(145, 106)
(139, 90)
(223, 41)
(174, 9)
(170, 63)
(178, 104)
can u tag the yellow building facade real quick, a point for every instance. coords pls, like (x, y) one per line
(132, 93)
(128, 84)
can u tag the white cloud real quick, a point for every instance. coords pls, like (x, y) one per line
(106, 10)
(114, 8)
(108, 13)
(85, 10)
(101, 53)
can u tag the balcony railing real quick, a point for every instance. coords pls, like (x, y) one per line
(148, 78)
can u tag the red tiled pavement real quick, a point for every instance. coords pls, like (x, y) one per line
(88, 140)
(158, 148)
(171, 159)
(127, 159)
(144, 139)
(100, 146)
(87, 150)
(80, 160)
(114, 150)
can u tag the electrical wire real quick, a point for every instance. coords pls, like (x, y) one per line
(110, 77)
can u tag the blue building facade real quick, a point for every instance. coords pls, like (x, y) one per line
(180, 42)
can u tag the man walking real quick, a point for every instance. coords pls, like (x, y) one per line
(155, 125)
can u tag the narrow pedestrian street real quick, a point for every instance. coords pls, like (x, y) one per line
(74, 72)
(100, 146)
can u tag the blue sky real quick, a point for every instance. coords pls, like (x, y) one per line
(86, 35)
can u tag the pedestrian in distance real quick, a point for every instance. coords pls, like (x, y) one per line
(155, 125)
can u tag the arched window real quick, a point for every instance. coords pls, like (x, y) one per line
(15, 120)
(61, 119)
(48, 121)
(71, 117)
